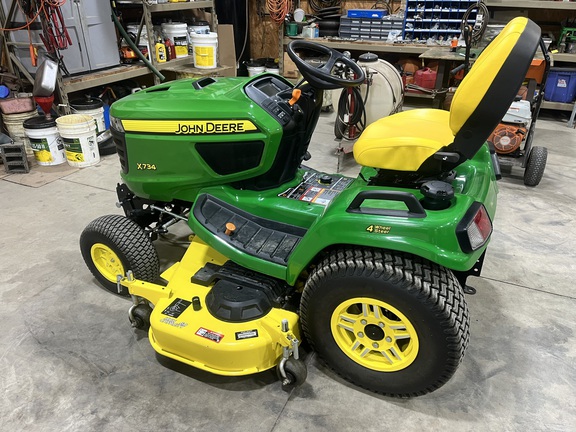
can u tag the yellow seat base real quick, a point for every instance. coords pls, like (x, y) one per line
(403, 141)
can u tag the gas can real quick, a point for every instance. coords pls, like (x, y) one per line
(425, 78)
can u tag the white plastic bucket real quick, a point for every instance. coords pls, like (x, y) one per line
(178, 34)
(205, 48)
(93, 107)
(78, 132)
(199, 28)
(273, 70)
(255, 70)
(45, 141)
(15, 127)
(143, 42)
(196, 29)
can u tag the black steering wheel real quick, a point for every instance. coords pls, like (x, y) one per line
(322, 77)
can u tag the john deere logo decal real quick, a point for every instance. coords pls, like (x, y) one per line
(185, 127)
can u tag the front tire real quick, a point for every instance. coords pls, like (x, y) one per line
(111, 245)
(389, 322)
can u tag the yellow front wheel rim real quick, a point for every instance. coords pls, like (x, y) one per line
(106, 261)
(374, 334)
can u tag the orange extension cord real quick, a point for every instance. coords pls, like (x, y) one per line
(52, 3)
(279, 9)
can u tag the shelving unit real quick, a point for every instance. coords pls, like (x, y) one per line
(67, 85)
(532, 4)
(538, 4)
(556, 57)
(173, 7)
(435, 19)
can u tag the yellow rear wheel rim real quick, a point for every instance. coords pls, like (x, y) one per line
(374, 334)
(106, 261)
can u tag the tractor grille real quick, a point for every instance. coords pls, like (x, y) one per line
(120, 141)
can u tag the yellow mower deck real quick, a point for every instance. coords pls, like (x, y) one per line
(190, 334)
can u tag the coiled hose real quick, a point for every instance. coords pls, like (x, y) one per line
(352, 104)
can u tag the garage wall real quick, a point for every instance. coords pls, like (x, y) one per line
(264, 34)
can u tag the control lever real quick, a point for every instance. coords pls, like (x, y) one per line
(296, 93)
(467, 34)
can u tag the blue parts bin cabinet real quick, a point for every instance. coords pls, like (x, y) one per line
(435, 19)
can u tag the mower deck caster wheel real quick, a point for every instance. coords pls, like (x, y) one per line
(140, 317)
(295, 371)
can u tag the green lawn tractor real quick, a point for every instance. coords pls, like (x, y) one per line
(371, 271)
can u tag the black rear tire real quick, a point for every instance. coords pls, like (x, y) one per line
(114, 244)
(389, 322)
(535, 166)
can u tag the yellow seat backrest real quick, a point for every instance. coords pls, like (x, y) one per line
(490, 87)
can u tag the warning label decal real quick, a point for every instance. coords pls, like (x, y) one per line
(209, 334)
(317, 188)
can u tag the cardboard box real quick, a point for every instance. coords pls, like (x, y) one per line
(289, 69)
(226, 50)
(536, 70)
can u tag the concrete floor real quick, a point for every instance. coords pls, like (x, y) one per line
(69, 360)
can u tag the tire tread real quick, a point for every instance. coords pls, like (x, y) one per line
(130, 239)
(427, 280)
(535, 166)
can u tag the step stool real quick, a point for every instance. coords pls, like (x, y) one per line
(14, 158)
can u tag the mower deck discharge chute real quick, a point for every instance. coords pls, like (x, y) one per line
(370, 270)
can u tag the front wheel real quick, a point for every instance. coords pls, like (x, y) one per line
(111, 245)
(389, 322)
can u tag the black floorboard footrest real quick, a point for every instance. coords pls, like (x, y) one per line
(263, 238)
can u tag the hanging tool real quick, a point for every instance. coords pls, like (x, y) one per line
(54, 34)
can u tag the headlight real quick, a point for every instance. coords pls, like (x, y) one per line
(116, 123)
